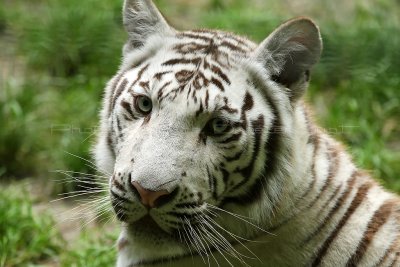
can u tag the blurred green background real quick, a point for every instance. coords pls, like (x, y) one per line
(56, 56)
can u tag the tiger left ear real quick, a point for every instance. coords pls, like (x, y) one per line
(142, 20)
(289, 53)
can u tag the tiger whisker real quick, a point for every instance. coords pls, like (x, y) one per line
(195, 241)
(96, 202)
(206, 241)
(76, 195)
(236, 254)
(91, 164)
(236, 237)
(204, 250)
(71, 173)
(184, 239)
(191, 241)
(228, 232)
(217, 245)
(240, 218)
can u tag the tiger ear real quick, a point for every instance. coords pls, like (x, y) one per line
(289, 53)
(141, 20)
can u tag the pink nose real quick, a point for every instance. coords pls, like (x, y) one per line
(148, 197)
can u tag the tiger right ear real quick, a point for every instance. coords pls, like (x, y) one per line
(141, 20)
(289, 53)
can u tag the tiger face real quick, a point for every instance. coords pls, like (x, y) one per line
(192, 128)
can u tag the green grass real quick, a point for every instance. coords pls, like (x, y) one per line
(68, 38)
(31, 239)
(93, 252)
(25, 237)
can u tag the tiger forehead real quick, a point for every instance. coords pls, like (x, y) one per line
(192, 66)
(198, 58)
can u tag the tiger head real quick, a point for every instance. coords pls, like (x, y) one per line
(198, 125)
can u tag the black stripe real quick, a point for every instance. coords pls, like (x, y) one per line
(333, 159)
(118, 92)
(218, 84)
(219, 72)
(232, 47)
(338, 204)
(194, 36)
(113, 88)
(161, 90)
(247, 105)
(128, 108)
(206, 100)
(379, 218)
(176, 61)
(247, 171)
(358, 199)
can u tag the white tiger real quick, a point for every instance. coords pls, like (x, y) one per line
(216, 161)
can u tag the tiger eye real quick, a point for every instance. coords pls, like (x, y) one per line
(143, 104)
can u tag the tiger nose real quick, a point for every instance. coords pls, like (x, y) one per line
(148, 197)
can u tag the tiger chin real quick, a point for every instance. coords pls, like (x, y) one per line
(214, 158)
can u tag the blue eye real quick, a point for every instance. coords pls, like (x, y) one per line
(143, 104)
(219, 125)
(216, 127)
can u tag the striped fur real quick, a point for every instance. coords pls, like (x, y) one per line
(271, 176)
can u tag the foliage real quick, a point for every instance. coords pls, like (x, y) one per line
(91, 251)
(72, 37)
(25, 237)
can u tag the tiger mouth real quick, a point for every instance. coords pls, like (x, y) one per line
(147, 221)
(147, 226)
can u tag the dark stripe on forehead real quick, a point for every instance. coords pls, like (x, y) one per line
(184, 76)
(194, 36)
(160, 75)
(232, 47)
(176, 61)
(239, 41)
(161, 90)
(145, 85)
(217, 70)
(191, 47)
